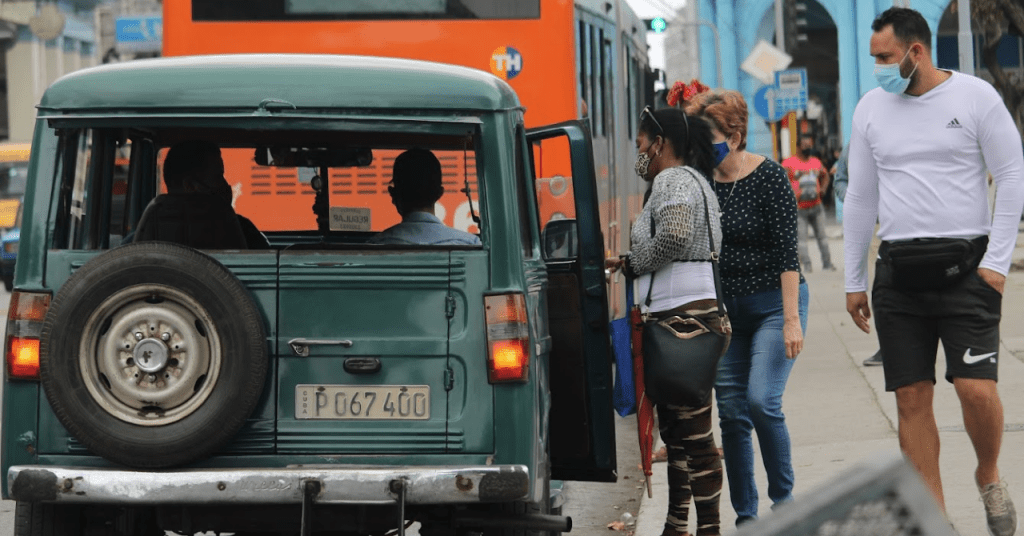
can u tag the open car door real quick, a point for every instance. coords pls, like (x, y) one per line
(582, 424)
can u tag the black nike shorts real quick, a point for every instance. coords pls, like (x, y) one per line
(910, 324)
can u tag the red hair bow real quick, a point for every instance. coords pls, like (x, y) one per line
(684, 92)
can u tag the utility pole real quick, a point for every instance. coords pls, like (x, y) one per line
(965, 39)
(780, 29)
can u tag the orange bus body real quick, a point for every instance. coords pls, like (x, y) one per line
(546, 82)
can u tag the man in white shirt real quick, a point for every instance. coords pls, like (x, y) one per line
(918, 156)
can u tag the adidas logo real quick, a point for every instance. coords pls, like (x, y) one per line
(954, 124)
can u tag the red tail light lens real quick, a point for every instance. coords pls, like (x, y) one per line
(508, 338)
(23, 358)
(24, 326)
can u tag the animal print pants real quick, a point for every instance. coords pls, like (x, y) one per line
(694, 468)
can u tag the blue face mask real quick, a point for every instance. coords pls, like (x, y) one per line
(721, 151)
(890, 79)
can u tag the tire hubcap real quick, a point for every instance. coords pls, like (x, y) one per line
(150, 355)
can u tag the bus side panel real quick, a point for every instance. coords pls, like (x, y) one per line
(544, 84)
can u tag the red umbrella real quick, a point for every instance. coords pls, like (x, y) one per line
(644, 406)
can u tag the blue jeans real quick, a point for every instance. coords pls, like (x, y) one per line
(751, 378)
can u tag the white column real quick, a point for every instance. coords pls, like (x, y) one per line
(38, 69)
(965, 39)
(59, 53)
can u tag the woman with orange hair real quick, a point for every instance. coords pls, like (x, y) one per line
(765, 295)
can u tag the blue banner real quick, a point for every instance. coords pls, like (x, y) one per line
(139, 34)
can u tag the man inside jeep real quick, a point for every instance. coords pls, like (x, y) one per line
(196, 211)
(415, 188)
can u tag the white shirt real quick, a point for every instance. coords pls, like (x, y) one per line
(676, 284)
(918, 165)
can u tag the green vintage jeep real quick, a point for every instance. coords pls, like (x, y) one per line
(325, 383)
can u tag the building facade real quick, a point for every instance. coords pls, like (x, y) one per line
(835, 52)
(44, 41)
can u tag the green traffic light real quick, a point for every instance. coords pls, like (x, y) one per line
(658, 25)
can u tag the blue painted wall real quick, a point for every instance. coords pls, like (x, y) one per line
(742, 23)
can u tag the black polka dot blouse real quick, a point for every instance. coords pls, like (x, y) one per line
(759, 231)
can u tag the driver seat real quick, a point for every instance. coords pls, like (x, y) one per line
(196, 220)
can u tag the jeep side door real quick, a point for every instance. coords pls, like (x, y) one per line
(582, 429)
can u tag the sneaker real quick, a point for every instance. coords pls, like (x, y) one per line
(744, 520)
(874, 360)
(830, 268)
(999, 510)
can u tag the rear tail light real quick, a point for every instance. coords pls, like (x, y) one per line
(508, 338)
(25, 317)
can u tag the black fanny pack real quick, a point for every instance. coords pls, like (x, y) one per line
(932, 263)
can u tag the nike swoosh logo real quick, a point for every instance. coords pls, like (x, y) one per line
(972, 359)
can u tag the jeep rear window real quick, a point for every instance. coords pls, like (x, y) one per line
(272, 176)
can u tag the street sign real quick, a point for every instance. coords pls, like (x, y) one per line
(139, 34)
(764, 104)
(791, 90)
(764, 60)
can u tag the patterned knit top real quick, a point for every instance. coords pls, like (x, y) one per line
(680, 225)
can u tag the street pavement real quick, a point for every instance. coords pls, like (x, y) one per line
(839, 413)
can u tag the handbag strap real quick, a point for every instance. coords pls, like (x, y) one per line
(714, 258)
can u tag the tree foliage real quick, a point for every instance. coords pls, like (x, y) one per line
(996, 18)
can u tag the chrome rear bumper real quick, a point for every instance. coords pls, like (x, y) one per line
(339, 484)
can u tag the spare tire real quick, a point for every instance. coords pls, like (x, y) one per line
(153, 355)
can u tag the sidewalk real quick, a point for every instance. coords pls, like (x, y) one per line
(839, 413)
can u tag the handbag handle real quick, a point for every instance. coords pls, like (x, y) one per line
(714, 258)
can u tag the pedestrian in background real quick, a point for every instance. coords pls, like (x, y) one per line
(809, 179)
(670, 256)
(918, 156)
(767, 302)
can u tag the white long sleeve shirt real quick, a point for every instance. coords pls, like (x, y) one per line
(918, 165)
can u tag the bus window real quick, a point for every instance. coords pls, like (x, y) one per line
(603, 74)
(627, 57)
(581, 66)
(311, 10)
(597, 100)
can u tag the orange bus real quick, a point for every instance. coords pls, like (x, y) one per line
(566, 59)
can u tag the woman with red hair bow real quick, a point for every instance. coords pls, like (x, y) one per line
(766, 297)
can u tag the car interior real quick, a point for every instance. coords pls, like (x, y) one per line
(307, 189)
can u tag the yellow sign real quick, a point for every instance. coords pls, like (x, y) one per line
(14, 152)
(8, 212)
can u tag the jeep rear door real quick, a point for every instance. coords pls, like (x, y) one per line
(362, 351)
(378, 344)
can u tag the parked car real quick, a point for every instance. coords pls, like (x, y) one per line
(325, 383)
(9, 256)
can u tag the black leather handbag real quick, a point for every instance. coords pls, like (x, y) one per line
(681, 351)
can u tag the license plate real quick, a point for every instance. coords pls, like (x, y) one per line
(362, 402)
